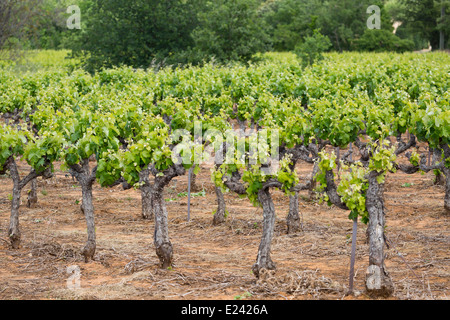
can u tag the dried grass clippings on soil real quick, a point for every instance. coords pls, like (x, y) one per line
(307, 282)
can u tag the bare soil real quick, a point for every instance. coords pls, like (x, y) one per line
(214, 262)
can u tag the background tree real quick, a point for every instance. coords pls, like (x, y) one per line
(144, 33)
(341, 21)
(345, 20)
(135, 33)
(14, 20)
(422, 21)
(443, 23)
(313, 47)
(382, 40)
(230, 30)
(290, 21)
(49, 28)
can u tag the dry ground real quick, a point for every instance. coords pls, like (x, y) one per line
(214, 262)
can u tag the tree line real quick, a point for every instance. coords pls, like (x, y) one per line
(142, 33)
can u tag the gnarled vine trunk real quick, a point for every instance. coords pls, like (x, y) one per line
(439, 180)
(86, 179)
(32, 198)
(263, 260)
(378, 281)
(164, 248)
(313, 180)
(14, 231)
(446, 170)
(146, 194)
(194, 186)
(293, 217)
(18, 185)
(447, 189)
(219, 215)
(88, 207)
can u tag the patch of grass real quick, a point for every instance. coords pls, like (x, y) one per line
(407, 185)
(243, 296)
(225, 215)
(196, 194)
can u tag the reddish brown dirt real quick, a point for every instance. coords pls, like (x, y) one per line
(214, 262)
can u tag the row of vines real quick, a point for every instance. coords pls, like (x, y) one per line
(375, 107)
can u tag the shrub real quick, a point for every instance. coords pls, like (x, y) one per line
(312, 47)
(375, 40)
